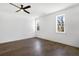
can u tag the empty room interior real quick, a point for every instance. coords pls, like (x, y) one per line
(39, 29)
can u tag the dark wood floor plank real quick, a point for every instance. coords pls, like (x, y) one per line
(37, 47)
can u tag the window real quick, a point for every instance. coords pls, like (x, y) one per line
(60, 23)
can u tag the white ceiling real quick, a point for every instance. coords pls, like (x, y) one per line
(37, 9)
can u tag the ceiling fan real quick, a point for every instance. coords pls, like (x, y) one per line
(22, 8)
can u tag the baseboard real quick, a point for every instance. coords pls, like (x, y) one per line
(40, 38)
(16, 40)
(57, 42)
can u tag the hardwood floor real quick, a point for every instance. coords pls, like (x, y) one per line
(37, 47)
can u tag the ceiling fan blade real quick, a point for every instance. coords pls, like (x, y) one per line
(27, 7)
(26, 11)
(14, 5)
(18, 10)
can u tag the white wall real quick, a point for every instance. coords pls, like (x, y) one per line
(14, 26)
(48, 27)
